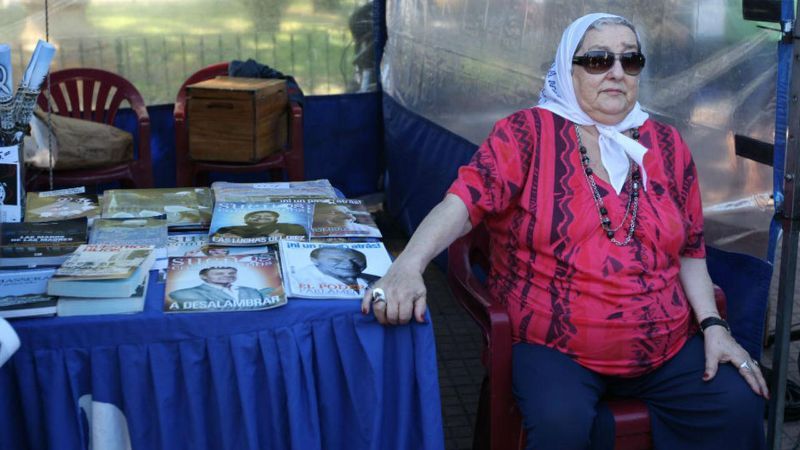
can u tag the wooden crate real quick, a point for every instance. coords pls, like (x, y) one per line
(236, 119)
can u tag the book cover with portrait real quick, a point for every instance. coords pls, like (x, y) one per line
(224, 283)
(332, 270)
(259, 223)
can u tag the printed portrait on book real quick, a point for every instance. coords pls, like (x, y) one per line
(223, 283)
(337, 269)
(259, 223)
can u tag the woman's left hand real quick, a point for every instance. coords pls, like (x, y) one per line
(721, 347)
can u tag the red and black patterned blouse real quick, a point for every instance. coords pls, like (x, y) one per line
(616, 310)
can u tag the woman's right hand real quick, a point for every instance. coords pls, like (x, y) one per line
(403, 295)
(402, 287)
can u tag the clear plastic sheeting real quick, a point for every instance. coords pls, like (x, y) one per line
(156, 44)
(464, 64)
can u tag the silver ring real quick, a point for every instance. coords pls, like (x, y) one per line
(378, 295)
(744, 365)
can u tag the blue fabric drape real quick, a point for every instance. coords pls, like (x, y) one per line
(313, 374)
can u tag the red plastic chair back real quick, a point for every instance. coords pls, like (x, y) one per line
(96, 95)
(498, 415)
(195, 173)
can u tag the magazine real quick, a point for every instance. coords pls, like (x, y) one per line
(224, 283)
(184, 207)
(259, 223)
(343, 218)
(260, 192)
(61, 204)
(317, 270)
(40, 243)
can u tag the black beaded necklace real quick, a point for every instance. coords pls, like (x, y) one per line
(632, 207)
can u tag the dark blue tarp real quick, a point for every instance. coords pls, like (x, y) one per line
(745, 280)
(422, 160)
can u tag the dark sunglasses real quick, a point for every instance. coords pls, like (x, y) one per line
(600, 61)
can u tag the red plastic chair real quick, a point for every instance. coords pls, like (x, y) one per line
(498, 415)
(96, 94)
(195, 173)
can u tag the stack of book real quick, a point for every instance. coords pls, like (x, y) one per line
(55, 226)
(103, 279)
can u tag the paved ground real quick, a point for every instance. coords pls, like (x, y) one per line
(458, 345)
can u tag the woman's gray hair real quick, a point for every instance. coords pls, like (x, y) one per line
(611, 21)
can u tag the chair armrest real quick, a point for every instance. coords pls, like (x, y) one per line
(493, 320)
(179, 112)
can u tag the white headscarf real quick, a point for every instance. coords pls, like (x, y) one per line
(558, 96)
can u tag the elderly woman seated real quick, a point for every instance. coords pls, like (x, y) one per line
(597, 230)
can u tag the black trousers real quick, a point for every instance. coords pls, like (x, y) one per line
(559, 400)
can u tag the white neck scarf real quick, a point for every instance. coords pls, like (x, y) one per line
(558, 96)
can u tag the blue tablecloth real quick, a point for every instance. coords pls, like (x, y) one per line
(313, 374)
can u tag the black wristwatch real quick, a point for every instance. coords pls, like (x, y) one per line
(711, 321)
